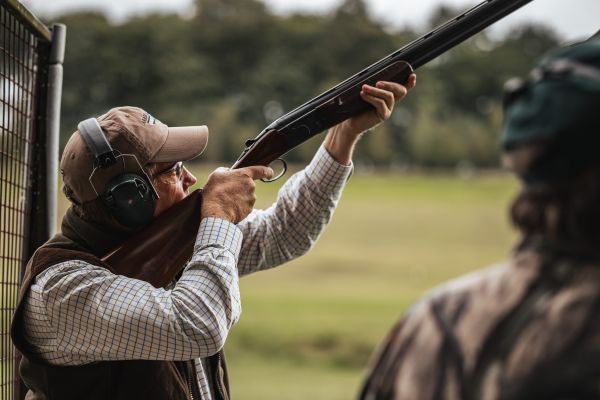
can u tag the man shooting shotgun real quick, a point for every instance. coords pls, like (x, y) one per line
(97, 328)
(88, 332)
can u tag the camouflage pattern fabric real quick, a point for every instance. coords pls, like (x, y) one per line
(527, 329)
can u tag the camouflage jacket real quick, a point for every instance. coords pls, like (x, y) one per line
(527, 329)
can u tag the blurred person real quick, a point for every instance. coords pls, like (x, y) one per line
(530, 327)
(88, 333)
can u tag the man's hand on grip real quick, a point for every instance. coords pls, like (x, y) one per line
(230, 194)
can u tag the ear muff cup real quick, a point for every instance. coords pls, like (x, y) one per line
(130, 200)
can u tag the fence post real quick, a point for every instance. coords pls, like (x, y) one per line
(55, 80)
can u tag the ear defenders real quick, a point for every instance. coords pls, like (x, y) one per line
(129, 196)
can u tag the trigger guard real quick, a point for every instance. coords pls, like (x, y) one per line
(284, 164)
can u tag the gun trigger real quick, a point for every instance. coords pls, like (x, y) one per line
(284, 165)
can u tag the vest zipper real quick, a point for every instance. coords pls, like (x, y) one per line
(189, 382)
(192, 380)
(221, 392)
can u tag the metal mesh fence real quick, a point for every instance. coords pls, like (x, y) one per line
(22, 45)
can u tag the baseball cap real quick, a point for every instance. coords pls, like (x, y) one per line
(558, 106)
(129, 130)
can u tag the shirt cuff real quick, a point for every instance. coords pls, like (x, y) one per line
(330, 174)
(217, 232)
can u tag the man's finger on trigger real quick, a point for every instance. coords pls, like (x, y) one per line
(268, 173)
(258, 172)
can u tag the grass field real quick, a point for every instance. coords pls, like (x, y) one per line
(308, 328)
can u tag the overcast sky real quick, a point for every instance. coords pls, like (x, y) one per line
(573, 19)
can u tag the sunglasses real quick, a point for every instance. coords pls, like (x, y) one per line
(177, 168)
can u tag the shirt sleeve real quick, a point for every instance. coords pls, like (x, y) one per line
(290, 227)
(93, 314)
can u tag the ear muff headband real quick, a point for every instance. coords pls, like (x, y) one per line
(130, 197)
(104, 155)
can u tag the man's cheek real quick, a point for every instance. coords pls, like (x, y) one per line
(169, 179)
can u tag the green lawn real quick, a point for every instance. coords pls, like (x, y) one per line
(308, 328)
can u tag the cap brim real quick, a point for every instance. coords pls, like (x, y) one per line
(183, 143)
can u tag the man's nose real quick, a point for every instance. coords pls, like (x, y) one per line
(188, 178)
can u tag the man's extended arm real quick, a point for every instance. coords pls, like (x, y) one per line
(306, 202)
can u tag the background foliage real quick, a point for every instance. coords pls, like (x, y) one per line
(236, 66)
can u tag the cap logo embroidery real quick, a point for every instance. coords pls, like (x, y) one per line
(148, 119)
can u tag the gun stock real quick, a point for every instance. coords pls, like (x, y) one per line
(159, 252)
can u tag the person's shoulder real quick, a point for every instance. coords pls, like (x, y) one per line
(447, 304)
(502, 282)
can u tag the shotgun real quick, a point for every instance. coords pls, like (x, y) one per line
(159, 252)
(343, 100)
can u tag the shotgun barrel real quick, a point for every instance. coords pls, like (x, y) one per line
(343, 100)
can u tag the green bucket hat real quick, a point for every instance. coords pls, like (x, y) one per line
(558, 105)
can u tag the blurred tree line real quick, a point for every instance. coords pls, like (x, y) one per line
(236, 66)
